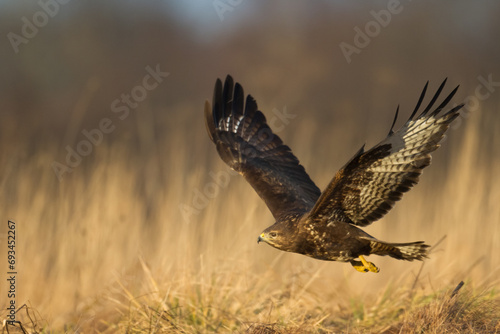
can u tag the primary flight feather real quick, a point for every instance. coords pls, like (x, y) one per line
(323, 225)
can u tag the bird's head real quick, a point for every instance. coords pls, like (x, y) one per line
(275, 236)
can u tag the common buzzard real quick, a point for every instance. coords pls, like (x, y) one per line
(325, 225)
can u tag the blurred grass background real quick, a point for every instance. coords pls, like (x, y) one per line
(114, 223)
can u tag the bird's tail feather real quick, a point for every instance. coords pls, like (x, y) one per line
(402, 251)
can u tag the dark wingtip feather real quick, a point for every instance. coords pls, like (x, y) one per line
(238, 100)
(217, 102)
(455, 109)
(434, 98)
(229, 81)
(391, 131)
(227, 96)
(445, 102)
(453, 113)
(420, 99)
(250, 104)
(238, 104)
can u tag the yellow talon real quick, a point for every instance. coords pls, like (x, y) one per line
(369, 265)
(359, 266)
(364, 266)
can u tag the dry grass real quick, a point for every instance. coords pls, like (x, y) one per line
(213, 308)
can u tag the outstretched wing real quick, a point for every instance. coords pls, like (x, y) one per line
(367, 187)
(247, 144)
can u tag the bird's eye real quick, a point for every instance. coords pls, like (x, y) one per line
(273, 234)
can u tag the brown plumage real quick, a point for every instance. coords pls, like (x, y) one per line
(323, 225)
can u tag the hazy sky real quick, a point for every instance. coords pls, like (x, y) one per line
(209, 17)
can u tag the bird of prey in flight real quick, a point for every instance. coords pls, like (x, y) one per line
(326, 225)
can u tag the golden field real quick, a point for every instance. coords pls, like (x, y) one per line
(151, 232)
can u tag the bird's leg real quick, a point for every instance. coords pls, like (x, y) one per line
(364, 266)
(369, 265)
(359, 266)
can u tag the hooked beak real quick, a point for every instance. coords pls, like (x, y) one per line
(261, 238)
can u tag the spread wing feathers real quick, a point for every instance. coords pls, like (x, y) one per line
(247, 144)
(367, 187)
